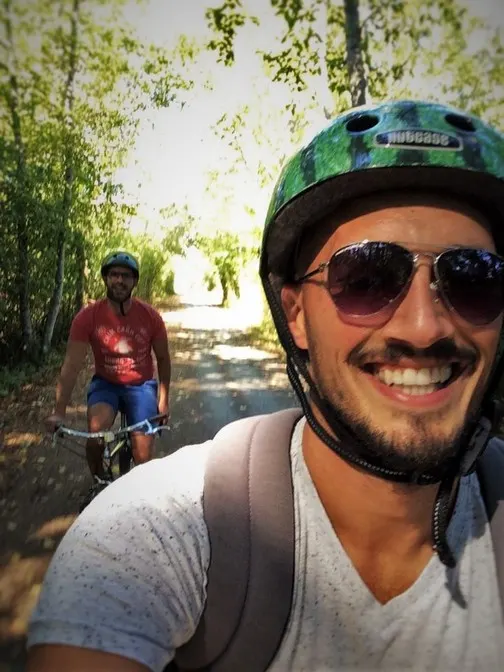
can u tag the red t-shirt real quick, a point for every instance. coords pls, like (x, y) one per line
(122, 344)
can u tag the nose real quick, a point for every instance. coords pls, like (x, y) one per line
(421, 319)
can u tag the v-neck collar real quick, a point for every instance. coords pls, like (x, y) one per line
(434, 571)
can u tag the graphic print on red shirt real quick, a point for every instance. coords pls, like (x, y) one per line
(121, 344)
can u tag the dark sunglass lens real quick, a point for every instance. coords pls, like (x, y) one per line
(365, 278)
(473, 283)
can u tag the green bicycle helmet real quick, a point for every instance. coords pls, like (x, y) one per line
(390, 146)
(120, 258)
(370, 149)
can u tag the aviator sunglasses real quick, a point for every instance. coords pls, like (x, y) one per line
(369, 279)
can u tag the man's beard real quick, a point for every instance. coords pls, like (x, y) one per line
(112, 297)
(416, 447)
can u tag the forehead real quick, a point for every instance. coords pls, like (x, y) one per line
(415, 218)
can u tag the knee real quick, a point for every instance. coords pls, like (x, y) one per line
(142, 449)
(142, 455)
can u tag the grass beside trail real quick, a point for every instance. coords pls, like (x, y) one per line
(264, 335)
(14, 377)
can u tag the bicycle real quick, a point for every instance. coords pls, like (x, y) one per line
(117, 453)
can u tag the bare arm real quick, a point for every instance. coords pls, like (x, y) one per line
(51, 657)
(160, 347)
(74, 361)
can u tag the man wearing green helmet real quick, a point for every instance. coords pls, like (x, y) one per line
(381, 265)
(122, 331)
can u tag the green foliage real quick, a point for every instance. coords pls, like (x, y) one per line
(73, 78)
(224, 21)
(151, 277)
(228, 255)
(264, 335)
(409, 47)
(13, 378)
(179, 228)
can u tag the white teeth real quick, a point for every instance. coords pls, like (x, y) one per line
(406, 377)
(387, 377)
(397, 377)
(415, 379)
(417, 390)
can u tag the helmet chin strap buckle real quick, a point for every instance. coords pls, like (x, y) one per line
(477, 445)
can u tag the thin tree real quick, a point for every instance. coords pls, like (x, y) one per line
(356, 72)
(68, 178)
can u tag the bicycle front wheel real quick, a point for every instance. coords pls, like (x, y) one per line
(125, 453)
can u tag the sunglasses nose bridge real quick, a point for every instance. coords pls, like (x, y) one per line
(429, 259)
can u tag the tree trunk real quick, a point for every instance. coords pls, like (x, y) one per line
(225, 290)
(355, 62)
(67, 112)
(80, 257)
(20, 209)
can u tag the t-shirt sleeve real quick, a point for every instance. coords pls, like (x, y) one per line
(158, 327)
(130, 575)
(82, 324)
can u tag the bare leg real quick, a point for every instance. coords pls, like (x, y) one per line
(100, 418)
(142, 447)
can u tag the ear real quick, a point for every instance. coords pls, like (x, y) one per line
(292, 304)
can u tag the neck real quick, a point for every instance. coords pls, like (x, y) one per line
(116, 306)
(367, 507)
(384, 527)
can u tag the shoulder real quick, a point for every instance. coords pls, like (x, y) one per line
(163, 480)
(85, 319)
(140, 547)
(143, 305)
(145, 309)
(90, 309)
(168, 494)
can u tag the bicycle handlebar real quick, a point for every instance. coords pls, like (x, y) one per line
(109, 435)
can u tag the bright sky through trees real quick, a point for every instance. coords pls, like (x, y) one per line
(176, 148)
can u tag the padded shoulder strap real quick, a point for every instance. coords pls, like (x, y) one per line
(249, 513)
(491, 476)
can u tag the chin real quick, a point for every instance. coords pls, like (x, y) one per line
(423, 446)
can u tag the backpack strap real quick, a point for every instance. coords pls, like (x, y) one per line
(491, 476)
(249, 512)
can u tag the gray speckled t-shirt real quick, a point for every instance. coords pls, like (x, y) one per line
(130, 578)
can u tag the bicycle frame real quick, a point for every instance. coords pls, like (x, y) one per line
(114, 442)
(113, 437)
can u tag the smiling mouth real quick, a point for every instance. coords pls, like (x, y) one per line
(416, 382)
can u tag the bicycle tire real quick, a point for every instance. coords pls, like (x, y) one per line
(94, 492)
(125, 458)
(125, 453)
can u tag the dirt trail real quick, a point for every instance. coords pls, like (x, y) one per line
(217, 377)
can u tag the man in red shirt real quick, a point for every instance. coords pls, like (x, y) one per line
(122, 332)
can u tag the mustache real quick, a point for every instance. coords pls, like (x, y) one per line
(441, 351)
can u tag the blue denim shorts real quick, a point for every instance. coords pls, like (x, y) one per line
(137, 401)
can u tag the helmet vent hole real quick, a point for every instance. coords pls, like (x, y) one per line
(461, 123)
(361, 123)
